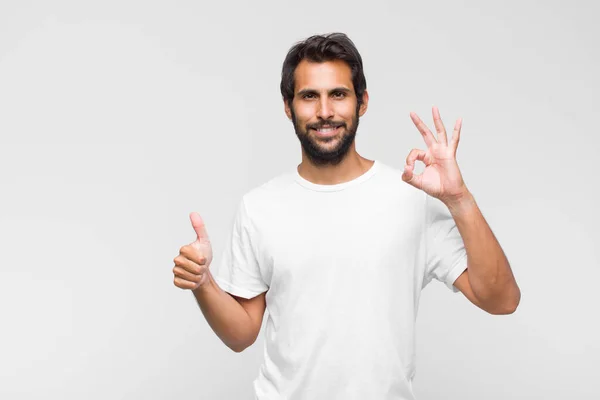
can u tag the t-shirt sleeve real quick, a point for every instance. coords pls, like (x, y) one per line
(446, 257)
(238, 272)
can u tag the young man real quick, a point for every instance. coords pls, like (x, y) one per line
(339, 249)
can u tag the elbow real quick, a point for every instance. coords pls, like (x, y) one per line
(241, 342)
(513, 305)
(507, 306)
(503, 311)
(239, 347)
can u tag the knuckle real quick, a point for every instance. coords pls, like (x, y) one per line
(185, 251)
(197, 257)
(197, 270)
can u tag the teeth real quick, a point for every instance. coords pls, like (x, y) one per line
(325, 130)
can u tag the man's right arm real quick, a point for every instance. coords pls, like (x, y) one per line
(235, 320)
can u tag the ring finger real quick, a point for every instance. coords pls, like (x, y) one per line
(188, 276)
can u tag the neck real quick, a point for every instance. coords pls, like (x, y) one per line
(351, 167)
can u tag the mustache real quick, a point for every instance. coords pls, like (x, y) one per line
(332, 124)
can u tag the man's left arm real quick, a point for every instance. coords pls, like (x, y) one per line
(488, 281)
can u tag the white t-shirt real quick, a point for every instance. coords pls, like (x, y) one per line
(343, 266)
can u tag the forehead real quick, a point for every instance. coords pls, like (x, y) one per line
(324, 75)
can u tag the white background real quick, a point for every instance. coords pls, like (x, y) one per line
(119, 118)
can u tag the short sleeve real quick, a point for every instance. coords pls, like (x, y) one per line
(446, 257)
(238, 272)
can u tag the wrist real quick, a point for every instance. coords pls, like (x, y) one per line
(461, 203)
(206, 283)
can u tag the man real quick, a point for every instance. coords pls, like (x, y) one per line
(339, 249)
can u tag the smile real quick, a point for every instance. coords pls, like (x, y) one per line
(326, 132)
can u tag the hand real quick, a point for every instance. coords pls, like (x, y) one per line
(441, 178)
(191, 265)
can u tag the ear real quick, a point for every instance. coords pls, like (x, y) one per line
(363, 107)
(288, 111)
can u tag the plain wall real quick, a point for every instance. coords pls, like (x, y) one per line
(119, 118)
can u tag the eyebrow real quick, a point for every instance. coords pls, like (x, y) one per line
(315, 92)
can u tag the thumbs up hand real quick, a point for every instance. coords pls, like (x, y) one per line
(191, 265)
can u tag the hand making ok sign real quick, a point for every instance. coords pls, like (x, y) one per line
(441, 178)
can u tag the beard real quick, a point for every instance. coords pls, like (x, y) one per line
(318, 154)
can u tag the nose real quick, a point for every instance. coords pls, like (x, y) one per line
(325, 110)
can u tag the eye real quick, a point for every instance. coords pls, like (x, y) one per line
(308, 96)
(339, 95)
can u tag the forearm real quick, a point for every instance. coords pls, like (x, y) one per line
(489, 272)
(227, 318)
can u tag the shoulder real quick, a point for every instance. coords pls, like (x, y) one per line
(269, 189)
(264, 200)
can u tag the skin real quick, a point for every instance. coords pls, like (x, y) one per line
(488, 281)
(324, 95)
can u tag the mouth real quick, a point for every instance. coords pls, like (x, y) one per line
(326, 131)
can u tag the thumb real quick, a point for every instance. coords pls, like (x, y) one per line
(199, 226)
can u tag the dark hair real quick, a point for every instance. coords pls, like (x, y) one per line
(321, 48)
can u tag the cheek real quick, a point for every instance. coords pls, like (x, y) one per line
(304, 112)
(346, 111)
